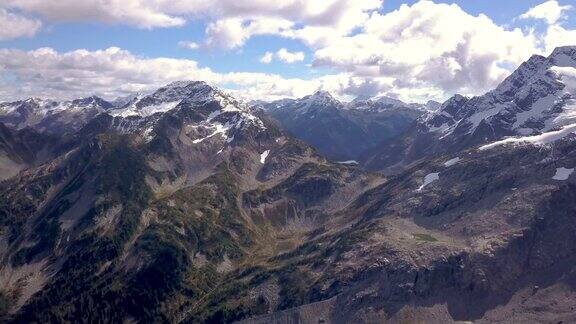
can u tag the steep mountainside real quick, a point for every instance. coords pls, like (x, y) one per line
(540, 96)
(343, 131)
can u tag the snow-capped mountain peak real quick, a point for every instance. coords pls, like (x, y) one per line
(44, 107)
(180, 92)
(93, 102)
(322, 94)
(538, 97)
(321, 98)
(205, 108)
(206, 111)
(317, 102)
(382, 103)
(388, 101)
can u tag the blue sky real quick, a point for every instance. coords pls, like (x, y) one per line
(79, 29)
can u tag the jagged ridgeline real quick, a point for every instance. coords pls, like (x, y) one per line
(186, 205)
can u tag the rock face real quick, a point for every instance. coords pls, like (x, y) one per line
(204, 211)
(342, 131)
(539, 97)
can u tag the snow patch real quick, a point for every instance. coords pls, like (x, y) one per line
(213, 115)
(542, 139)
(452, 162)
(562, 174)
(478, 117)
(350, 162)
(538, 108)
(263, 156)
(566, 75)
(428, 179)
(220, 129)
(442, 128)
(147, 134)
(144, 111)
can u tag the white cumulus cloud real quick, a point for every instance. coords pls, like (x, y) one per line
(550, 11)
(15, 26)
(555, 15)
(289, 57)
(422, 51)
(234, 32)
(283, 55)
(188, 45)
(116, 72)
(138, 13)
(267, 58)
(420, 47)
(162, 13)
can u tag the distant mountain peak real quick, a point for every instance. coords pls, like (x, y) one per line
(319, 100)
(185, 83)
(382, 103)
(36, 101)
(388, 100)
(321, 96)
(191, 84)
(180, 90)
(93, 101)
(171, 95)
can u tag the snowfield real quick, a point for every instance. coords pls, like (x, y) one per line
(428, 179)
(144, 111)
(452, 162)
(264, 156)
(350, 162)
(562, 174)
(542, 139)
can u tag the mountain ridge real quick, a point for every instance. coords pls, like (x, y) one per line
(342, 131)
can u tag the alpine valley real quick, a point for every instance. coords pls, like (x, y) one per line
(187, 205)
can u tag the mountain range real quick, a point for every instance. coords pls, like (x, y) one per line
(344, 131)
(187, 205)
